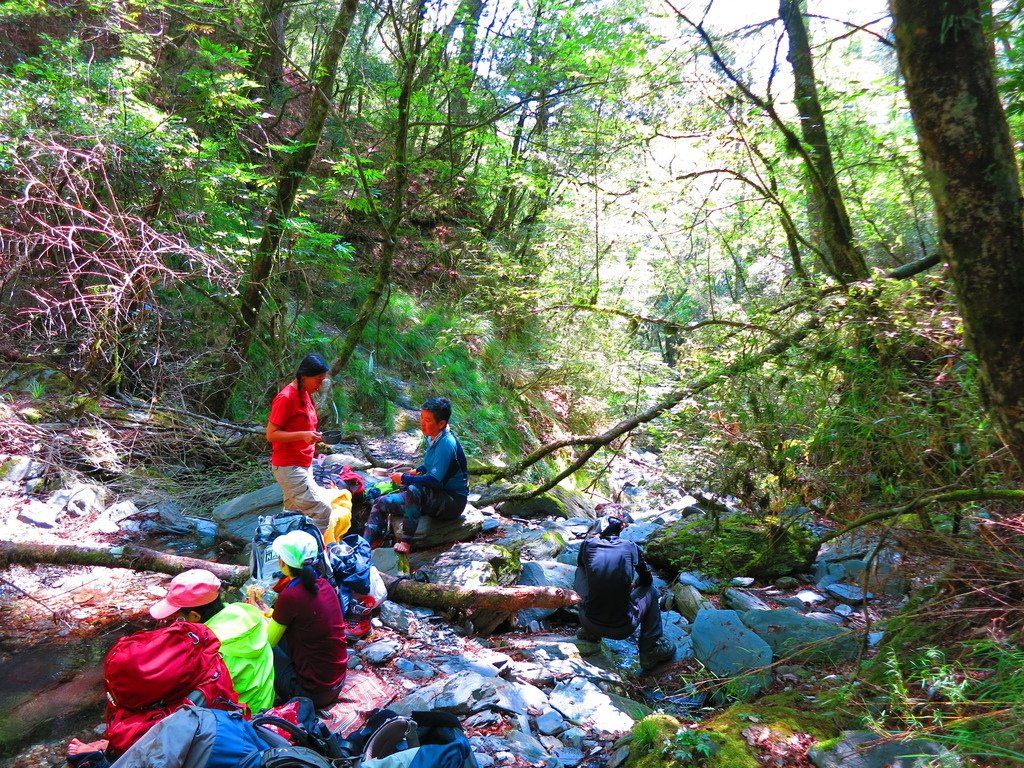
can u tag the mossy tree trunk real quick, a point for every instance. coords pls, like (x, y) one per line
(846, 261)
(947, 62)
(289, 178)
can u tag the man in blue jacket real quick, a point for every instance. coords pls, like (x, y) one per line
(437, 488)
(618, 594)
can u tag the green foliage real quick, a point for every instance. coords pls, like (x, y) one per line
(689, 747)
(765, 549)
(972, 703)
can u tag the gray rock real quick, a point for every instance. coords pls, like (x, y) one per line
(843, 610)
(469, 692)
(809, 597)
(802, 638)
(688, 600)
(696, 580)
(483, 760)
(551, 723)
(386, 560)
(237, 517)
(37, 513)
(573, 737)
(547, 573)
(582, 701)
(206, 530)
(729, 649)
(543, 573)
(536, 699)
(741, 581)
(123, 510)
(619, 756)
(538, 544)
(457, 665)
(569, 756)
(792, 602)
(414, 670)
(866, 749)
(435, 533)
(677, 631)
(18, 469)
(399, 618)
(741, 601)
(848, 593)
(482, 718)
(167, 517)
(79, 500)
(787, 582)
(558, 502)
(570, 554)
(640, 532)
(381, 651)
(473, 564)
(830, 618)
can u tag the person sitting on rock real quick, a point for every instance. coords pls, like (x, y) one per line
(437, 488)
(307, 627)
(618, 594)
(195, 596)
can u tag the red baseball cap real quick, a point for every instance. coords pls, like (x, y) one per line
(187, 590)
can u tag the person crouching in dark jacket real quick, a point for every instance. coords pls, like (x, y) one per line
(618, 595)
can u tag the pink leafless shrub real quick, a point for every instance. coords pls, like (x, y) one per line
(78, 268)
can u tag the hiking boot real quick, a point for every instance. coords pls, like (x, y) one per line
(662, 651)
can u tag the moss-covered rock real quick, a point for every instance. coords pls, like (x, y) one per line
(783, 714)
(764, 549)
(647, 739)
(558, 502)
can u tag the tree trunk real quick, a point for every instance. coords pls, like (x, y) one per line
(847, 262)
(289, 178)
(400, 183)
(504, 599)
(126, 556)
(969, 161)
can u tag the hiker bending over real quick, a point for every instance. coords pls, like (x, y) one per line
(307, 627)
(241, 628)
(292, 433)
(618, 594)
(437, 488)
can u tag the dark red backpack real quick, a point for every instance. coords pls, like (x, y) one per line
(149, 675)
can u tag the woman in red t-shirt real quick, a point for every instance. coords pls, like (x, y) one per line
(291, 430)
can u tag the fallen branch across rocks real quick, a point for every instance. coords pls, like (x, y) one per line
(121, 556)
(506, 599)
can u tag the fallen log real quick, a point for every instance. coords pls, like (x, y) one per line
(507, 600)
(113, 556)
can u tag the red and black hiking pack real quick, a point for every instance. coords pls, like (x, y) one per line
(149, 675)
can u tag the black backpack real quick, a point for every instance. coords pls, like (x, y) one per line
(310, 733)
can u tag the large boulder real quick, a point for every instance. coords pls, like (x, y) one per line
(688, 600)
(866, 749)
(582, 701)
(436, 533)
(794, 636)
(543, 573)
(237, 517)
(725, 646)
(473, 564)
(558, 502)
(762, 548)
